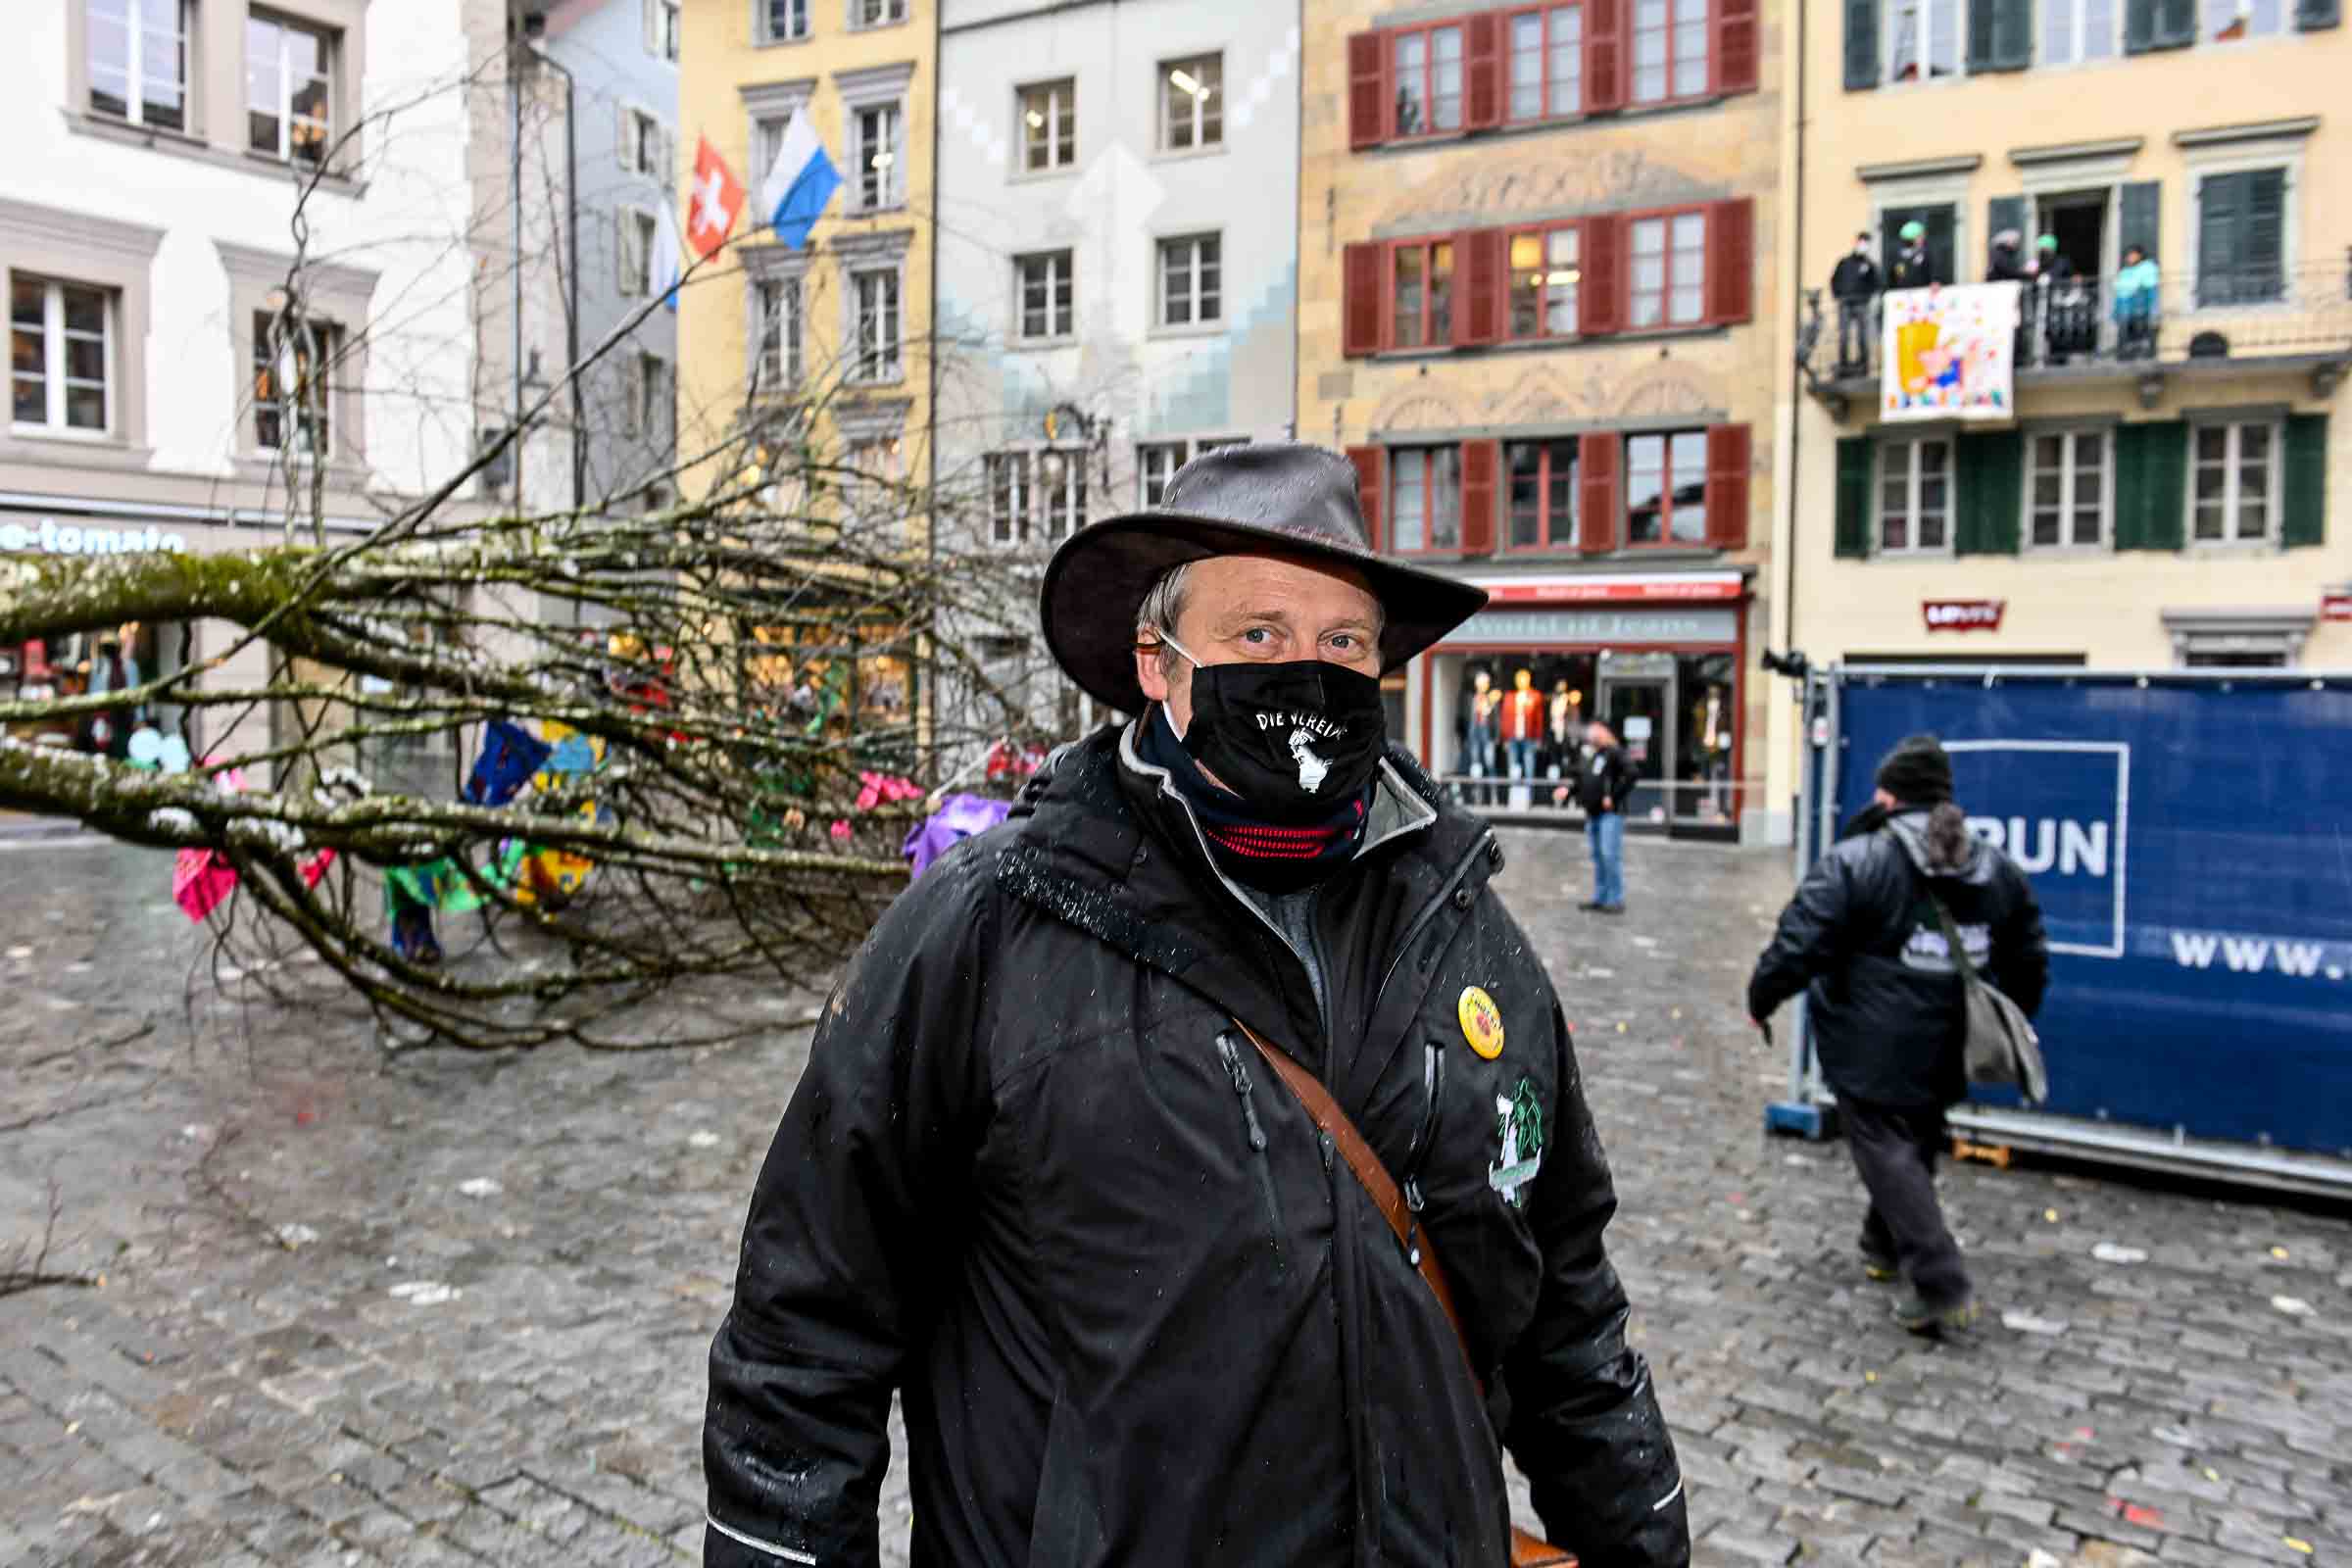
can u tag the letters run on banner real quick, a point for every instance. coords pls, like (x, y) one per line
(1950, 353)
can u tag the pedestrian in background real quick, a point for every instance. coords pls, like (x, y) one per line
(1863, 940)
(1604, 781)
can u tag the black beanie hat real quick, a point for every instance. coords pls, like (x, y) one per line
(1918, 771)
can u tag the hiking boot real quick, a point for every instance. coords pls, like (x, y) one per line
(1919, 1315)
(1877, 1267)
(1591, 904)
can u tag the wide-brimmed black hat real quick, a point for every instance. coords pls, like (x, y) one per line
(1267, 498)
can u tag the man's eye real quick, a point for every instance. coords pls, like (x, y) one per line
(1346, 642)
(1257, 635)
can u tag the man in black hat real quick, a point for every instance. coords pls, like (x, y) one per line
(1083, 1162)
(1863, 940)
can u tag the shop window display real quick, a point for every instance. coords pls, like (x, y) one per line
(1518, 722)
(81, 663)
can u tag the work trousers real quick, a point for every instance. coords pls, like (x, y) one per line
(1895, 1150)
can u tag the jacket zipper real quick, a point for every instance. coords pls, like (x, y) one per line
(1255, 1135)
(1433, 1085)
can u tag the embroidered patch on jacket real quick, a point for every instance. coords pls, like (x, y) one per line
(1482, 1022)
(1519, 1129)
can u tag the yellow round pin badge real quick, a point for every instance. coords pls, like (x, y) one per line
(1482, 1022)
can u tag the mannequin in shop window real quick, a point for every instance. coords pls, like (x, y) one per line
(1522, 725)
(1563, 722)
(1479, 732)
(114, 667)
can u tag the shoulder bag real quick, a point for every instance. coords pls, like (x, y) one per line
(2000, 1045)
(1527, 1551)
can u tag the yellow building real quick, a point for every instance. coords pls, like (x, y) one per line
(830, 342)
(1536, 284)
(2166, 487)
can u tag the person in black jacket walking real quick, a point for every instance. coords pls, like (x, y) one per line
(1861, 939)
(1604, 781)
(1039, 1177)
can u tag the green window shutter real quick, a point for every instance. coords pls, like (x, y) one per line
(2221, 214)
(1980, 34)
(2176, 24)
(2312, 14)
(2138, 225)
(1854, 457)
(1997, 473)
(1861, 45)
(2306, 498)
(2125, 449)
(2262, 248)
(2151, 487)
(2139, 26)
(2007, 212)
(2012, 35)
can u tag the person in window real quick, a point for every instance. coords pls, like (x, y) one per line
(1864, 941)
(1523, 724)
(1854, 286)
(1481, 727)
(2069, 322)
(2136, 306)
(1913, 266)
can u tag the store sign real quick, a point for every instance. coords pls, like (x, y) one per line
(1963, 615)
(1617, 590)
(2337, 605)
(55, 538)
(1608, 627)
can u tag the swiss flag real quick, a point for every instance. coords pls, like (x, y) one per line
(717, 198)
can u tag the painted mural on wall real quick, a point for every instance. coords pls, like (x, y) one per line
(1562, 185)
(1550, 395)
(1950, 353)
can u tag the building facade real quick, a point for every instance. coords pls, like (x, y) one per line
(2168, 490)
(1537, 263)
(1110, 304)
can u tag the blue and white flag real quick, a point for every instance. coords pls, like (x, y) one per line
(668, 263)
(799, 184)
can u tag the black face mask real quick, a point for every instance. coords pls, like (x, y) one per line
(1293, 740)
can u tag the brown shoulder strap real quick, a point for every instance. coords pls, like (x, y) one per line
(1527, 1551)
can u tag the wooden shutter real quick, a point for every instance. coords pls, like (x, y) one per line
(1367, 91)
(1482, 277)
(2305, 517)
(1854, 462)
(1604, 55)
(1598, 488)
(2221, 212)
(1990, 470)
(1727, 486)
(1481, 71)
(624, 141)
(2137, 222)
(2012, 35)
(1862, 43)
(2139, 26)
(1481, 463)
(2176, 24)
(1735, 46)
(1599, 293)
(1981, 20)
(2007, 212)
(2262, 243)
(2311, 15)
(1731, 260)
(2151, 485)
(1371, 463)
(1360, 282)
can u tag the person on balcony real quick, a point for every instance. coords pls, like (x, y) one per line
(2136, 306)
(2008, 265)
(2070, 318)
(1854, 286)
(1913, 266)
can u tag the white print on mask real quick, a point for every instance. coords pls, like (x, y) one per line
(1316, 726)
(1311, 769)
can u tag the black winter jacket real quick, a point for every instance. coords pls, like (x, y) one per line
(1854, 277)
(1883, 998)
(1140, 1313)
(1604, 773)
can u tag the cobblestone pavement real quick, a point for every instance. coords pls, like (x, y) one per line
(321, 1338)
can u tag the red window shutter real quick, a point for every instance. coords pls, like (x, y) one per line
(1480, 256)
(1370, 464)
(1604, 55)
(1481, 71)
(1600, 294)
(1736, 45)
(1482, 461)
(1359, 299)
(1367, 91)
(1731, 260)
(1598, 484)
(1727, 486)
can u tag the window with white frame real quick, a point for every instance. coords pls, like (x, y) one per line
(1046, 295)
(2230, 20)
(61, 355)
(1191, 285)
(1035, 497)
(2066, 488)
(664, 27)
(783, 20)
(779, 364)
(874, 147)
(2233, 481)
(1922, 38)
(1049, 126)
(138, 61)
(1548, 62)
(1915, 494)
(876, 13)
(291, 363)
(1425, 498)
(1061, 493)
(650, 417)
(1544, 274)
(636, 241)
(1192, 103)
(289, 91)
(1157, 462)
(1008, 498)
(1670, 269)
(1671, 39)
(1425, 65)
(1666, 488)
(875, 293)
(2076, 30)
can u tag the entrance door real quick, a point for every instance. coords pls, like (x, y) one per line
(1640, 709)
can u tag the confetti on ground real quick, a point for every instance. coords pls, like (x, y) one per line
(2292, 1305)
(2151, 1518)
(2278, 1252)
(20, 953)
(1869, 1377)
(2109, 1252)
(2028, 1323)
(2050, 1214)
(2303, 1546)
(425, 1292)
(2211, 1474)
(292, 1236)
(480, 1187)
(703, 1137)
(1621, 1027)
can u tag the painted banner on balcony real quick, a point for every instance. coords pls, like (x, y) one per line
(1950, 353)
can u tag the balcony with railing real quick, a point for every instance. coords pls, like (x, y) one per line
(2252, 321)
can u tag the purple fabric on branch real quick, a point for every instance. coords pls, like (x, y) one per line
(958, 818)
